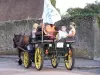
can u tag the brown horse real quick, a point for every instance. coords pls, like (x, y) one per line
(20, 42)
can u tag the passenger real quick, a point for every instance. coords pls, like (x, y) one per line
(39, 32)
(34, 30)
(62, 33)
(72, 32)
(49, 29)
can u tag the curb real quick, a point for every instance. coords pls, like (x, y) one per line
(8, 56)
(77, 67)
(81, 67)
(88, 67)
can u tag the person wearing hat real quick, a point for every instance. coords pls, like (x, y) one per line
(72, 31)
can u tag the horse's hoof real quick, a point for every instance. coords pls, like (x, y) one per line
(20, 62)
(33, 61)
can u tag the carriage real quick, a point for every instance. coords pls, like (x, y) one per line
(37, 51)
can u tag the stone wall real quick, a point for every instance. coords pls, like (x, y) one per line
(96, 40)
(87, 38)
(8, 29)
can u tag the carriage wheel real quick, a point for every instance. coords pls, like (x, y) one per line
(26, 60)
(69, 59)
(54, 61)
(39, 58)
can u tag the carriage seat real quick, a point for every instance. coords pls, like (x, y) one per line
(68, 40)
(45, 37)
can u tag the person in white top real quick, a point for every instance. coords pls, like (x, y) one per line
(62, 33)
(35, 26)
(72, 32)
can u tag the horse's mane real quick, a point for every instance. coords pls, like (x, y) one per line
(20, 39)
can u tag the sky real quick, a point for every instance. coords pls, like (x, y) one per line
(63, 5)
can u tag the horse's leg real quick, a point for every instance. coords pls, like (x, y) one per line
(19, 55)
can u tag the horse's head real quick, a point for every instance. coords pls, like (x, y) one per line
(16, 39)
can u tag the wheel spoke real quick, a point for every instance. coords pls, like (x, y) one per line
(26, 59)
(38, 58)
(69, 60)
(54, 61)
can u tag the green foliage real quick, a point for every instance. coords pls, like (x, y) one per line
(53, 2)
(90, 9)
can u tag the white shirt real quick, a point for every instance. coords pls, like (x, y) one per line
(70, 32)
(33, 33)
(62, 34)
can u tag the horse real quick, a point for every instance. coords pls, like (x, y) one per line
(20, 42)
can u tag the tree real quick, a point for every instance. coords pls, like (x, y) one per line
(89, 9)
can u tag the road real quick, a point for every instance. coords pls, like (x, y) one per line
(9, 66)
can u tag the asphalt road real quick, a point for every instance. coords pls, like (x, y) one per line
(9, 66)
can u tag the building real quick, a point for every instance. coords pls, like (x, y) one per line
(20, 9)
